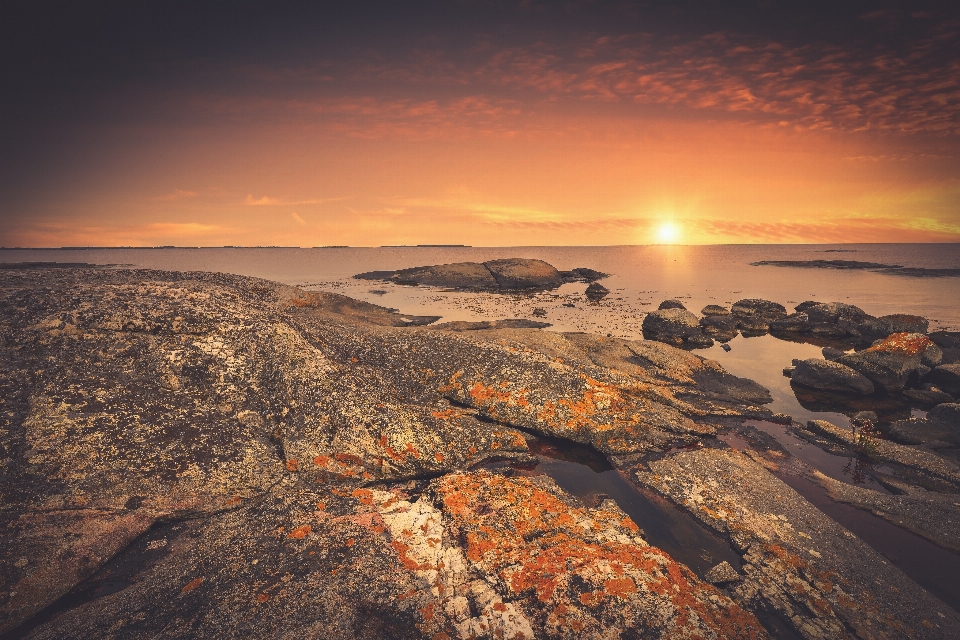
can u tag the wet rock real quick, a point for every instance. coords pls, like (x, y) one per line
(720, 327)
(904, 323)
(890, 363)
(671, 304)
(674, 326)
(832, 376)
(722, 573)
(725, 347)
(832, 354)
(793, 323)
(755, 315)
(756, 307)
(834, 312)
(714, 310)
(926, 462)
(947, 377)
(932, 515)
(596, 292)
(788, 371)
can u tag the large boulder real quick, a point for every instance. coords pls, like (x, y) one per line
(834, 311)
(673, 326)
(755, 315)
(721, 327)
(891, 362)
(940, 428)
(947, 377)
(793, 323)
(830, 376)
(904, 323)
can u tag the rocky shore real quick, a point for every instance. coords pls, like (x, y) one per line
(203, 455)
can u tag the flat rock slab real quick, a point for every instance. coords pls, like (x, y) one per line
(508, 274)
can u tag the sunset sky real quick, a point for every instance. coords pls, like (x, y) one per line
(482, 123)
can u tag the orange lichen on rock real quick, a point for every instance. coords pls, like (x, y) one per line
(561, 558)
(300, 532)
(291, 465)
(193, 584)
(905, 343)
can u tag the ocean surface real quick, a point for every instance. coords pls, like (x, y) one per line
(641, 277)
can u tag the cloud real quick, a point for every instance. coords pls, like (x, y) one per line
(267, 201)
(176, 194)
(297, 219)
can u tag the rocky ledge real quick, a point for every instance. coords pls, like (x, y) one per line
(197, 455)
(509, 274)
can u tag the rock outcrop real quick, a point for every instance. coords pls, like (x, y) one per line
(509, 274)
(891, 362)
(674, 326)
(203, 455)
(830, 376)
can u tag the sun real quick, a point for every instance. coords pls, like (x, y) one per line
(668, 233)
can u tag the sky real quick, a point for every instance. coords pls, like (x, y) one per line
(495, 123)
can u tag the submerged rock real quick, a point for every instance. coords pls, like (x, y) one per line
(671, 304)
(831, 376)
(596, 292)
(720, 327)
(714, 310)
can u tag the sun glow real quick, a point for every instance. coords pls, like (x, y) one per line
(668, 233)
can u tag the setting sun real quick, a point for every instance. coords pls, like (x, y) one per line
(668, 233)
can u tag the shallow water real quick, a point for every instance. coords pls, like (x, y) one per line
(586, 474)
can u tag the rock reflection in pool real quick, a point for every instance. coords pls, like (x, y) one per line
(585, 473)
